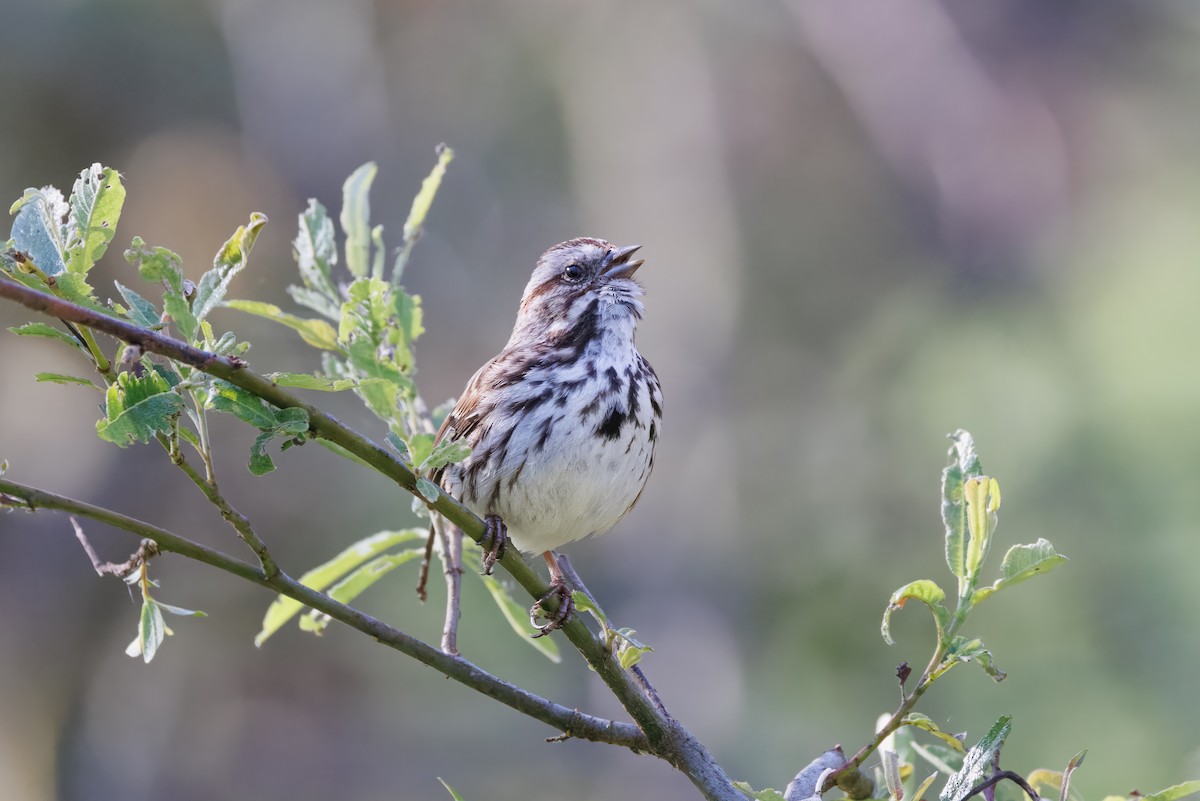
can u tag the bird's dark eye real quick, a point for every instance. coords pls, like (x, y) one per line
(573, 273)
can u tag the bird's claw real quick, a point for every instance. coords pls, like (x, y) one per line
(558, 618)
(494, 543)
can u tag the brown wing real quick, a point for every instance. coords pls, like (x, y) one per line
(467, 414)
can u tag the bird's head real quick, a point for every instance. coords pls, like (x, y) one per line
(581, 281)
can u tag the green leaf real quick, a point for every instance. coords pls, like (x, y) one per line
(1021, 563)
(315, 251)
(272, 422)
(629, 650)
(179, 610)
(979, 762)
(318, 382)
(928, 593)
(141, 311)
(283, 609)
(377, 261)
(981, 498)
(40, 229)
(924, 786)
(1072, 766)
(409, 317)
(151, 630)
(317, 333)
(769, 794)
(420, 446)
(1174, 792)
(450, 790)
(59, 378)
(230, 260)
(96, 202)
(518, 617)
(420, 209)
(159, 264)
(357, 582)
(138, 407)
(919, 721)
(427, 489)
(400, 446)
(356, 218)
(448, 451)
(44, 330)
(962, 464)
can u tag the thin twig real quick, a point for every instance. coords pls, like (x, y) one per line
(1000, 776)
(145, 552)
(560, 717)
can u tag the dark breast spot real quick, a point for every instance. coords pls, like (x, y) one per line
(610, 428)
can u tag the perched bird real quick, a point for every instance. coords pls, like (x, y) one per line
(562, 424)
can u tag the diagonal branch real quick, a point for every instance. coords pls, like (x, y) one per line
(571, 722)
(667, 738)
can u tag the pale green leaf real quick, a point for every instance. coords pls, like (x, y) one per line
(981, 499)
(44, 330)
(356, 218)
(283, 609)
(448, 451)
(318, 382)
(160, 264)
(317, 333)
(768, 794)
(59, 378)
(924, 786)
(427, 489)
(179, 610)
(925, 591)
(353, 585)
(919, 721)
(230, 260)
(629, 650)
(1021, 563)
(518, 617)
(96, 203)
(454, 795)
(420, 446)
(890, 764)
(151, 629)
(1174, 792)
(420, 209)
(400, 446)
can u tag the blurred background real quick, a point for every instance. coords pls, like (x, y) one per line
(865, 225)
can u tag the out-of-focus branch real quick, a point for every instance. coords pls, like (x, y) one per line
(570, 721)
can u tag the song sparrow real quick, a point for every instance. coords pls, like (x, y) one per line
(563, 423)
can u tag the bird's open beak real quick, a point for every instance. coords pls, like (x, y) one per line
(618, 265)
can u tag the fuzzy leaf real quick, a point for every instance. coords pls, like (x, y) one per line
(315, 251)
(424, 198)
(518, 617)
(979, 762)
(230, 260)
(151, 629)
(96, 203)
(40, 230)
(356, 218)
(1174, 792)
(138, 407)
(283, 609)
(981, 498)
(428, 489)
(962, 464)
(318, 382)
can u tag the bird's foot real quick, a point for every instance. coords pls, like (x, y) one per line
(494, 543)
(559, 617)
